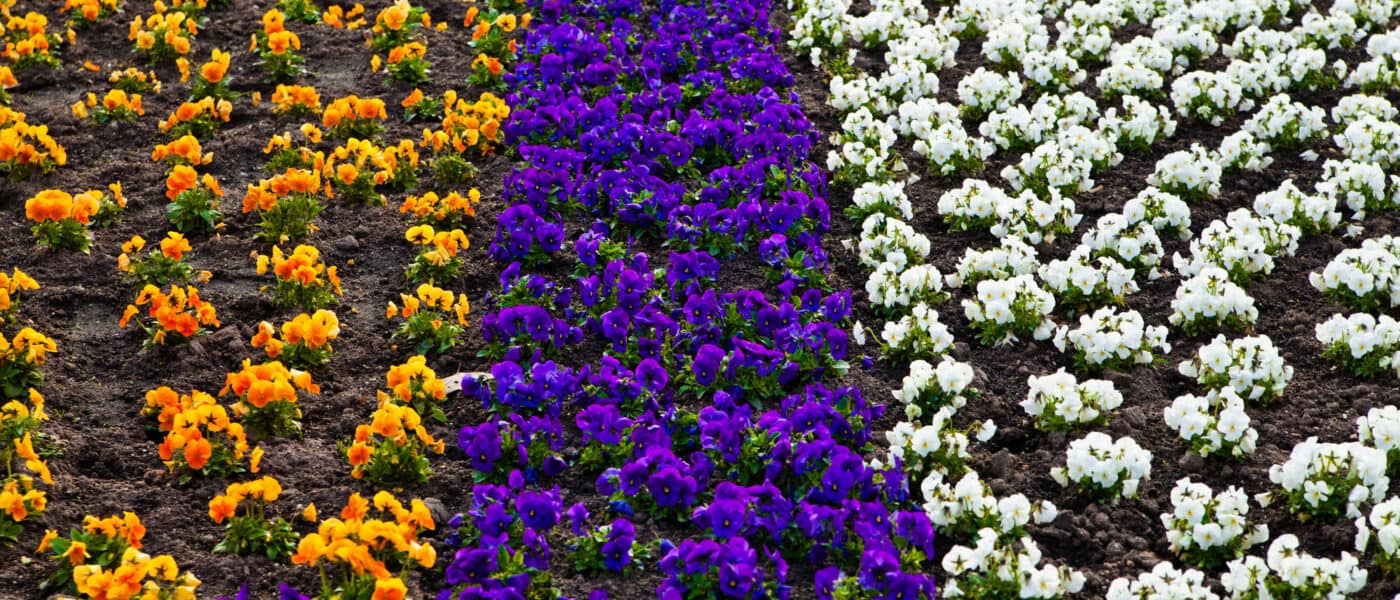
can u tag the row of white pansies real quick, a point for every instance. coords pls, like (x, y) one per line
(1206, 530)
(899, 100)
(934, 454)
(1064, 140)
(1380, 430)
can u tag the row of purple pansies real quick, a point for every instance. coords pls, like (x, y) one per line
(664, 156)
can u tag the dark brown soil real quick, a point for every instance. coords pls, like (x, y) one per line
(1106, 541)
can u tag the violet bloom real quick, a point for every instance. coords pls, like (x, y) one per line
(735, 579)
(586, 247)
(287, 592)
(539, 511)
(471, 565)
(875, 568)
(669, 488)
(602, 423)
(652, 375)
(482, 444)
(825, 580)
(909, 586)
(915, 527)
(706, 364)
(535, 549)
(725, 518)
(607, 481)
(621, 507)
(242, 593)
(738, 568)
(495, 523)
(617, 550)
(578, 517)
(616, 326)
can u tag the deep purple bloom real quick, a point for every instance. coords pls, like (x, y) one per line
(578, 517)
(617, 554)
(241, 595)
(725, 517)
(706, 364)
(826, 582)
(735, 579)
(670, 488)
(539, 511)
(652, 375)
(287, 592)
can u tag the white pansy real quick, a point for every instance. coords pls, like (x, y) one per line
(1012, 257)
(967, 504)
(1208, 97)
(1129, 78)
(1327, 32)
(1250, 366)
(1192, 175)
(1209, 301)
(1005, 309)
(1370, 140)
(1008, 43)
(1083, 280)
(1215, 424)
(1287, 125)
(917, 334)
(985, 91)
(1059, 402)
(1051, 71)
(1355, 106)
(1361, 186)
(950, 150)
(888, 240)
(993, 564)
(1383, 526)
(1103, 467)
(1365, 344)
(1289, 570)
(1310, 213)
(1327, 480)
(1133, 243)
(935, 451)
(1205, 528)
(1244, 245)
(894, 290)
(1109, 339)
(1380, 429)
(1140, 126)
(930, 388)
(1164, 582)
(885, 198)
(1365, 278)
(1164, 211)
(1052, 165)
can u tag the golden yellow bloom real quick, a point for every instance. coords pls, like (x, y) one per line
(389, 589)
(174, 246)
(222, 507)
(309, 550)
(49, 536)
(419, 234)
